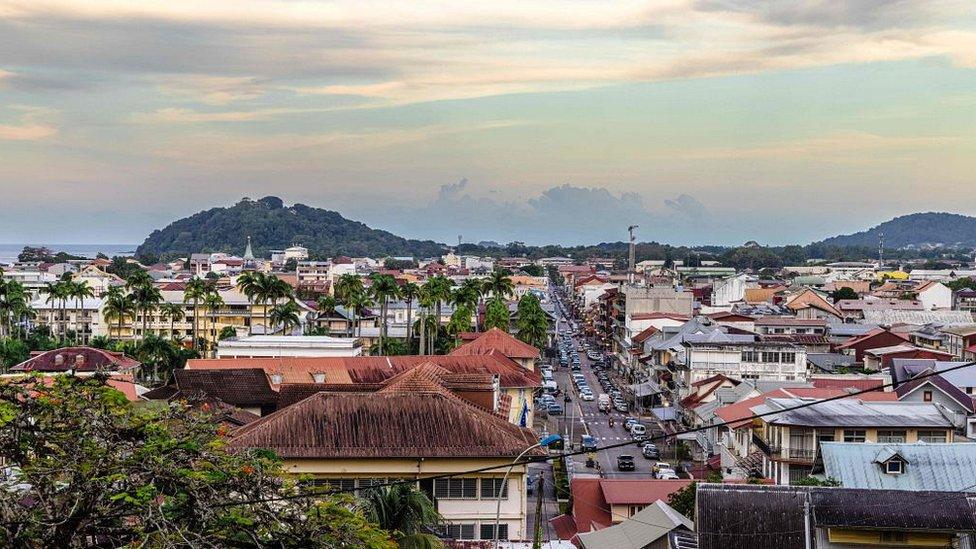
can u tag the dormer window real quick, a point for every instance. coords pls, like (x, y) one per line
(276, 379)
(319, 377)
(894, 466)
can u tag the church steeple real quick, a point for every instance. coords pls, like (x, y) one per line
(248, 254)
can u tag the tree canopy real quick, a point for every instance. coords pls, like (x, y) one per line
(82, 465)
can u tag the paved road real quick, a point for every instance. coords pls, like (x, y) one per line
(583, 417)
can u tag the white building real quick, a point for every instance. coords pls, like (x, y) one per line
(730, 290)
(261, 346)
(934, 296)
(745, 360)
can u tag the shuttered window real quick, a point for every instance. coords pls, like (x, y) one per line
(456, 488)
(488, 531)
(459, 531)
(490, 486)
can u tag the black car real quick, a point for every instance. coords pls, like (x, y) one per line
(626, 463)
(555, 410)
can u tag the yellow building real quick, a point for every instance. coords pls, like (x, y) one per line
(411, 429)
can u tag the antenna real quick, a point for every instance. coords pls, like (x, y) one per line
(630, 264)
(459, 241)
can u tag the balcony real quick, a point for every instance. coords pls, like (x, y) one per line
(805, 455)
(771, 450)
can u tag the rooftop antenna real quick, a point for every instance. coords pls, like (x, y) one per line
(459, 241)
(630, 264)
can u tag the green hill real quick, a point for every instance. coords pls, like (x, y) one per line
(272, 225)
(919, 230)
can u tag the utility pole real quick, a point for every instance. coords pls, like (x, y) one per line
(881, 251)
(539, 494)
(630, 265)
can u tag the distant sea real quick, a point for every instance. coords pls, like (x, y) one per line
(9, 252)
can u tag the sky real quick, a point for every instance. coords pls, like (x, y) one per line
(702, 121)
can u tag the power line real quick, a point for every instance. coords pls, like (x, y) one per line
(550, 457)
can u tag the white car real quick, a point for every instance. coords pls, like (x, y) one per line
(587, 396)
(666, 474)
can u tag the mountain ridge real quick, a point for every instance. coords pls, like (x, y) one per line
(916, 230)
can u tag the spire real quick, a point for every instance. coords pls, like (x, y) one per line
(248, 254)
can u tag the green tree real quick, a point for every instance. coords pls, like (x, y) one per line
(286, 315)
(227, 332)
(497, 315)
(532, 323)
(79, 291)
(814, 481)
(212, 302)
(118, 306)
(95, 468)
(147, 299)
(407, 513)
(843, 293)
(409, 292)
(460, 320)
(498, 284)
(349, 291)
(382, 289)
(248, 283)
(196, 290)
(174, 313)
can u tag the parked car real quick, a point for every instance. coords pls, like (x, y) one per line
(637, 429)
(626, 463)
(666, 474)
(587, 396)
(587, 443)
(650, 451)
(555, 410)
(621, 407)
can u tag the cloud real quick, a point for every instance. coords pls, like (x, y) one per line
(26, 126)
(227, 51)
(567, 214)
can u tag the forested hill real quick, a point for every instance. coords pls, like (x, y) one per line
(272, 225)
(932, 229)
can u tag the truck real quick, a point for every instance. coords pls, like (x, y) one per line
(603, 402)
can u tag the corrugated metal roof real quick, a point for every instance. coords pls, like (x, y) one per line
(943, 467)
(645, 527)
(854, 413)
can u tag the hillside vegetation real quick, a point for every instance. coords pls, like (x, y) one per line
(272, 225)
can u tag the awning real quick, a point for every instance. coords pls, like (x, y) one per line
(645, 389)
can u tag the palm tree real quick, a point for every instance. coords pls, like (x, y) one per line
(326, 305)
(425, 299)
(13, 298)
(441, 292)
(55, 292)
(384, 288)
(118, 306)
(460, 320)
(79, 291)
(409, 292)
(498, 284)
(212, 302)
(147, 299)
(533, 325)
(286, 315)
(196, 289)
(173, 312)
(406, 512)
(248, 283)
(357, 301)
(497, 315)
(137, 278)
(347, 289)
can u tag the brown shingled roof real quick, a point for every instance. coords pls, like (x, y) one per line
(377, 369)
(498, 340)
(91, 360)
(410, 419)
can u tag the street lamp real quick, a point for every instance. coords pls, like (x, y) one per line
(545, 442)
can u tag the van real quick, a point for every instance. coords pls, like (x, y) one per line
(603, 402)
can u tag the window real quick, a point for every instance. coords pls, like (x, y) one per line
(927, 396)
(460, 531)
(893, 537)
(894, 466)
(969, 390)
(750, 356)
(456, 488)
(854, 435)
(490, 486)
(488, 531)
(891, 436)
(769, 356)
(825, 435)
(634, 509)
(932, 436)
(787, 358)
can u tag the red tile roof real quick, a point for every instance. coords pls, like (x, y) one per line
(659, 316)
(644, 335)
(640, 492)
(377, 369)
(592, 498)
(92, 360)
(842, 383)
(498, 340)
